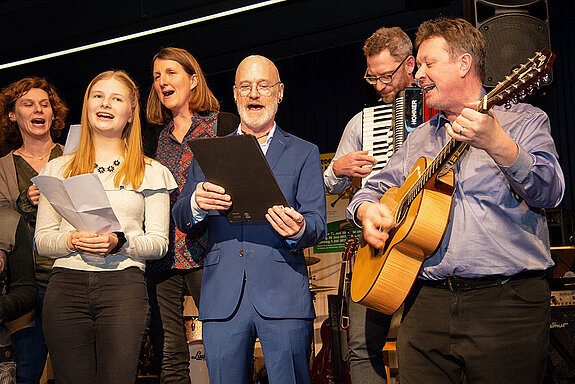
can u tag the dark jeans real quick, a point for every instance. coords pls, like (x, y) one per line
(498, 334)
(30, 347)
(368, 330)
(94, 324)
(166, 291)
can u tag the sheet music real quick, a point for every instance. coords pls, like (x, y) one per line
(81, 201)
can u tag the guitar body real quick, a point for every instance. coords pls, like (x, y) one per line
(322, 369)
(382, 278)
(329, 366)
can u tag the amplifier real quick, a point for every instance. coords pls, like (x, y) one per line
(562, 332)
(563, 298)
(562, 344)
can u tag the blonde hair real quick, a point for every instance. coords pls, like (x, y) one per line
(202, 100)
(132, 168)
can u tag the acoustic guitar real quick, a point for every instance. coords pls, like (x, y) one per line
(382, 278)
(329, 366)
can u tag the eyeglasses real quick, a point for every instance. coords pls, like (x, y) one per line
(262, 88)
(385, 79)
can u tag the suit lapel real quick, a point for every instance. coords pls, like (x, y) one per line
(277, 146)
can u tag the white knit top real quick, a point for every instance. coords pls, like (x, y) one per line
(144, 215)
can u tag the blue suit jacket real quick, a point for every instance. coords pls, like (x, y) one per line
(275, 269)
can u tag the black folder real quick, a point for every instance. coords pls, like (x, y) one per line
(238, 164)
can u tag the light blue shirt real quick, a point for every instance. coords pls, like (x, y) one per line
(351, 141)
(497, 224)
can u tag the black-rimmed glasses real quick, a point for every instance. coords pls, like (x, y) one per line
(385, 79)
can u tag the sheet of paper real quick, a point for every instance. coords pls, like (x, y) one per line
(73, 139)
(80, 200)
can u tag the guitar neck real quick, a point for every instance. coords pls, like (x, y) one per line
(341, 284)
(441, 164)
(517, 83)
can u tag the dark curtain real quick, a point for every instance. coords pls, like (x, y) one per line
(560, 100)
(324, 89)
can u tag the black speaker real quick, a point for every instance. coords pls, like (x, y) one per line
(513, 29)
(562, 345)
(560, 224)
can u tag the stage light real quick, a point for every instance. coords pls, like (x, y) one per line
(141, 34)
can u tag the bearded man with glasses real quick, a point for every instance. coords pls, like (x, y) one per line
(390, 66)
(255, 281)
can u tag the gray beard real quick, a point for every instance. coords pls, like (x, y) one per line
(255, 124)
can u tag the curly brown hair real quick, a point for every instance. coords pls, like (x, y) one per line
(461, 37)
(9, 130)
(393, 39)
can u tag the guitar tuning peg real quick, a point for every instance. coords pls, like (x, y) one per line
(546, 78)
(522, 95)
(515, 100)
(507, 105)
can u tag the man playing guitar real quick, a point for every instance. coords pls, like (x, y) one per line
(479, 311)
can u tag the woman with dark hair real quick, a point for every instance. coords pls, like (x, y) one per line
(32, 116)
(97, 310)
(180, 107)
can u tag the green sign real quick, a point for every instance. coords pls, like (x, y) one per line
(337, 233)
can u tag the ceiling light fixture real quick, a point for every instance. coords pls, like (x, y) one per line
(140, 34)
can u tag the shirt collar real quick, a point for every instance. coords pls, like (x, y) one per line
(270, 133)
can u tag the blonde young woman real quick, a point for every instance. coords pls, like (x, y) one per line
(96, 306)
(32, 115)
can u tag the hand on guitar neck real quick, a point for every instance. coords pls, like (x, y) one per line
(482, 130)
(377, 221)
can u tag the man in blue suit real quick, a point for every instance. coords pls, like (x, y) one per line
(255, 281)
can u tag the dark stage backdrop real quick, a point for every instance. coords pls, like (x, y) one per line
(316, 45)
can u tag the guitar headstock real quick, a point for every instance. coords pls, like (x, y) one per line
(350, 248)
(521, 82)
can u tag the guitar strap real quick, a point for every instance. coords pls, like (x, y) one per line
(345, 277)
(344, 314)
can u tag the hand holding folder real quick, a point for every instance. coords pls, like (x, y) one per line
(238, 164)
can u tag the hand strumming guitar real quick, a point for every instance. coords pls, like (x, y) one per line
(377, 221)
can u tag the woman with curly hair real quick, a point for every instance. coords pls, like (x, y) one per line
(32, 116)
